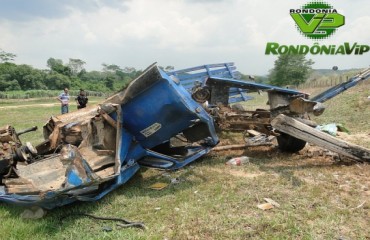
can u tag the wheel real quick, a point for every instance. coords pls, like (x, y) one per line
(201, 94)
(289, 143)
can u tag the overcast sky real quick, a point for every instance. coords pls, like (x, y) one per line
(181, 33)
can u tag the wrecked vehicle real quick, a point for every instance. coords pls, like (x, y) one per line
(217, 87)
(162, 120)
(90, 152)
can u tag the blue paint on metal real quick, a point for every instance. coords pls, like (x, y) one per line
(189, 76)
(162, 111)
(73, 178)
(334, 91)
(251, 86)
(224, 73)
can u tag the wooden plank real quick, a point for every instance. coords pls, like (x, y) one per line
(54, 138)
(20, 186)
(239, 146)
(107, 118)
(22, 190)
(109, 171)
(253, 132)
(105, 152)
(300, 130)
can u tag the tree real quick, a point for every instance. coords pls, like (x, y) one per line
(56, 65)
(109, 82)
(76, 65)
(111, 68)
(6, 57)
(290, 70)
(56, 81)
(129, 70)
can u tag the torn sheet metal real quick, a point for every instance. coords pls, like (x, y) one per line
(90, 152)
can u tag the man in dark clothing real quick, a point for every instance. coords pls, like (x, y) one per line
(81, 99)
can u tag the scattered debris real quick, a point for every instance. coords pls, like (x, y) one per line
(332, 128)
(269, 200)
(33, 212)
(238, 146)
(175, 180)
(255, 138)
(253, 133)
(238, 161)
(265, 206)
(166, 175)
(270, 204)
(158, 186)
(106, 229)
(122, 222)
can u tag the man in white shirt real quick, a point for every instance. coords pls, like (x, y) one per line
(64, 101)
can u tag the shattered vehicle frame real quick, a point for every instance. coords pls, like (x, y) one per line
(90, 152)
(218, 88)
(162, 120)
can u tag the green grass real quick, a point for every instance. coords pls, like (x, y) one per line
(351, 108)
(318, 197)
(23, 114)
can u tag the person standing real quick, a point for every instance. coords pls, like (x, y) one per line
(81, 99)
(64, 101)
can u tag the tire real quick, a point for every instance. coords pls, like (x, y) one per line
(289, 143)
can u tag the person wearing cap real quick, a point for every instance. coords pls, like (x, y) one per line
(81, 99)
(64, 101)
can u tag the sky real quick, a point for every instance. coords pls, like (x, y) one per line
(179, 33)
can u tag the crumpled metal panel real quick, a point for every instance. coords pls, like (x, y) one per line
(103, 146)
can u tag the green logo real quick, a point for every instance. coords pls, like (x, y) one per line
(317, 20)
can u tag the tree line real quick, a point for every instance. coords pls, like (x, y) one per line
(288, 70)
(59, 75)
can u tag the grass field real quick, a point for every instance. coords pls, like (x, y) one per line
(319, 198)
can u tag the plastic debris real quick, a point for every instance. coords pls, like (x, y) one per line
(238, 161)
(34, 212)
(175, 180)
(265, 206)
(107, 229)
(270, 204)
(269, 200)
(158, 186)
(332, 128)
